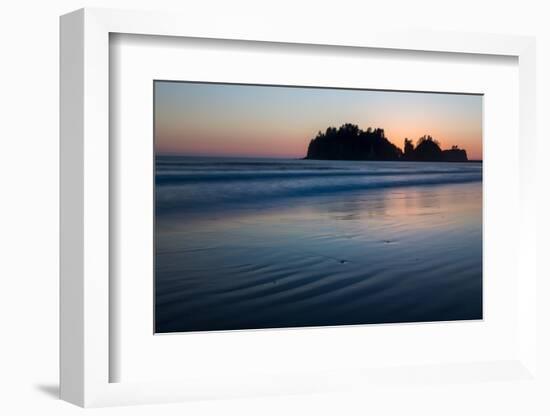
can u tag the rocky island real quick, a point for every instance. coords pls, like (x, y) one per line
(349, 142)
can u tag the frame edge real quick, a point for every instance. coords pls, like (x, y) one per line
(71, 201)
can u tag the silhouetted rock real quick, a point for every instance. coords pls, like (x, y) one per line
(427, 150)
(349, 142)
(455, 155)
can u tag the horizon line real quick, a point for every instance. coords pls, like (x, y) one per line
(234, 156)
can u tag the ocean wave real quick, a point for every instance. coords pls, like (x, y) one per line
(199, 183)
(174, 177)
(198, 196)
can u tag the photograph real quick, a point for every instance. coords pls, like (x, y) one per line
(282, 206)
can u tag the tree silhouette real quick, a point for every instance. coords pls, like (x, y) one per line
(408, 149)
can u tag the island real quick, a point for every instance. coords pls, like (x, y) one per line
(349, 142)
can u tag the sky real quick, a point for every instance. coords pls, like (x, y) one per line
(203, 119)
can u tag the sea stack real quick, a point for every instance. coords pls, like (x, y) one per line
(349, 142)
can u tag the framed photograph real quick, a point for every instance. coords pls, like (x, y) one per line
(271, 212)
(262, 222)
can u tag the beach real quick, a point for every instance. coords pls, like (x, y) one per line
(250, 243)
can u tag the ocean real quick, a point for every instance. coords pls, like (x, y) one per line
(250, 243)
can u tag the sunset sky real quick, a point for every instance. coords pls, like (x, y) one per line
(264, 121)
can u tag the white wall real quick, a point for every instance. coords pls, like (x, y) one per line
(29, 207)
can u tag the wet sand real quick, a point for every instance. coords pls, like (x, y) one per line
(363, 256)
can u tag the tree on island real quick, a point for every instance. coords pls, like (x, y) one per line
(408, 150)
(349, 142)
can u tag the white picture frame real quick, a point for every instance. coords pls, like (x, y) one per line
(85, 212)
